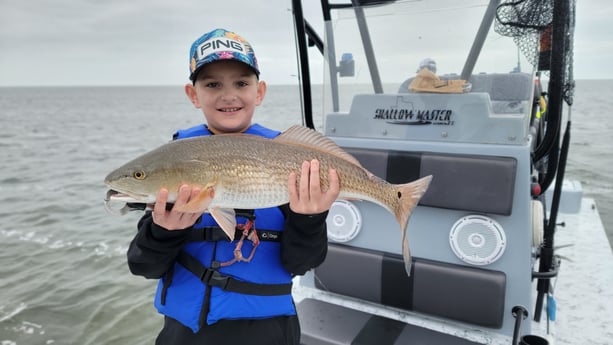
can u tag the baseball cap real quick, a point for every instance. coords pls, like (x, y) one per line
(220, 44)
(427, 63)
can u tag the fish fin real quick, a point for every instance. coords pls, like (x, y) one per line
(409, 195)
(200, 203)
(226, 219)
(406, 254)
(304, 136)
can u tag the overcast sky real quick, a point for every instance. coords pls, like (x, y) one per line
(123, 42)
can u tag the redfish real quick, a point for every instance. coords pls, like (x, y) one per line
(242, 171)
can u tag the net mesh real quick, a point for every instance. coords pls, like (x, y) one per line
(529, 22)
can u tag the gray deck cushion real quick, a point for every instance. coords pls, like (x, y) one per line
(461, 293)
(462, 182)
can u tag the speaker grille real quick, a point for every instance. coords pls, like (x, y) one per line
(344, 221)
(477, 240)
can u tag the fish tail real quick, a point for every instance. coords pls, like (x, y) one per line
(409, 194)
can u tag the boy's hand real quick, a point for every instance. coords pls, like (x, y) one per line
(307, 197)
(175, 220)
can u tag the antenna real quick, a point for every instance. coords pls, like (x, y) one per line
(517, 68)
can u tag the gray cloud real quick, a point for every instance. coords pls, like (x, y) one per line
(113, 42)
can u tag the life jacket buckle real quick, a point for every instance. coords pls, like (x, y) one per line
(218, 280)
(206, 275)
(214, 278)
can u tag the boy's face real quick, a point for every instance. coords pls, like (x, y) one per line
(227, 92)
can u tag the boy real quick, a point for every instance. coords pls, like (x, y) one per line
(205, 295)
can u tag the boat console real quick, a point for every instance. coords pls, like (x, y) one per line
(475, 234)
(470, 235)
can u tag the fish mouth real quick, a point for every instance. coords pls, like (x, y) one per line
(119, 203)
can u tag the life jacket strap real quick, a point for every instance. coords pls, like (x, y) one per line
(167, 282)
(212, 277)
(214, 233)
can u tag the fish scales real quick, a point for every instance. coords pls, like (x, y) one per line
(248, 178)
(240, 171)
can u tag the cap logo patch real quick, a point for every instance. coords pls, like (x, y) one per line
(219, 44)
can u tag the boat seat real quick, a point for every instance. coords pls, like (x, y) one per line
(508, 92)
(324, 323)
(475, 183)
(504, 86)
(461, 293)
(461, 182)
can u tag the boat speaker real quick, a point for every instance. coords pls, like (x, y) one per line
(477, 240)
(538, 223)
(344, 221)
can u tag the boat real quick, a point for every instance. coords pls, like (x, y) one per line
(478, 95)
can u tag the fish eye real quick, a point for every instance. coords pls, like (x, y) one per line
(139, 175)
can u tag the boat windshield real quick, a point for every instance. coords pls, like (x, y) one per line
(380, 49)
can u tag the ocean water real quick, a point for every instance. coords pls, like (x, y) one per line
(590, 159)
(63, 272)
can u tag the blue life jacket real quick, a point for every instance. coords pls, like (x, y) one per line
(197, 290)
(199, 130)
